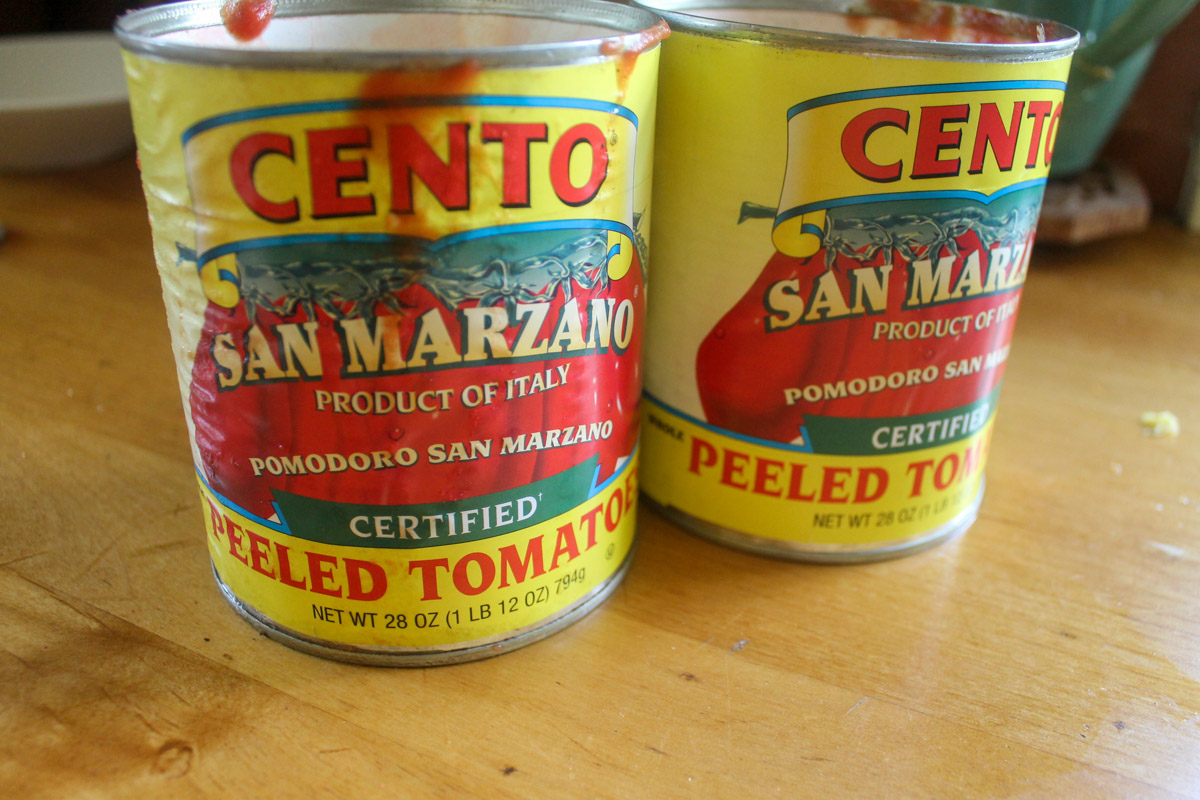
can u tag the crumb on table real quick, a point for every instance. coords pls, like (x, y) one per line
(1159, 424)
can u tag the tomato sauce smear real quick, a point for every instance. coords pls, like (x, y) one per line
(628, 48)
(945, 23)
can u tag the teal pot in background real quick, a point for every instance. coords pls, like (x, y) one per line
(1118, 39)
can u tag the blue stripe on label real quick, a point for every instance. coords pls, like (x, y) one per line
(795, 448)
(549, 225)
(419, 101)
(597, 488)
(276, 241)
(381, 238)
(948, 194)
(929, 88)
(278, 527)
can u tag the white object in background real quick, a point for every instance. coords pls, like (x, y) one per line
(63, 101)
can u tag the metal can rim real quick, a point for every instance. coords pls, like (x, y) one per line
(1060, 42)
(634, 30)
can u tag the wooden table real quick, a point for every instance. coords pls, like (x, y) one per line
(1054, 651)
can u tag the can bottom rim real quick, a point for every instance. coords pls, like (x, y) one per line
(384, 656)
(857, 553)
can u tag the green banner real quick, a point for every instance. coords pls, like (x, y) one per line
(433, 524)
(860, 436)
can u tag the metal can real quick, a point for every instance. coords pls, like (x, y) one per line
(846, 195)
(402, 252)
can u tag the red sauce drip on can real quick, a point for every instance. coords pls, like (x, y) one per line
(944, 23)
(628, 48)
(247, 19)
(456, 79)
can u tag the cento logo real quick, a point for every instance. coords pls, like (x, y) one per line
(934, 145)
(337, 162)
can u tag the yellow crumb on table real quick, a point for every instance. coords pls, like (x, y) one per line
(1159, 424)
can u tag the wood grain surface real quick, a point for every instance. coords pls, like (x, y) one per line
(1053, 651)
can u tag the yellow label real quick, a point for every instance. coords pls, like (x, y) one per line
(960, 140)
(407, 308)
(842, 243)
(438, 594)
(440, 166)
(792, 495)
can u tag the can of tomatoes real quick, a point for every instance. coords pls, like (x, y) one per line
(846, 195)
(402, 247)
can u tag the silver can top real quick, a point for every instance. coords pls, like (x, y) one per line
(904, 28)
(409, 34)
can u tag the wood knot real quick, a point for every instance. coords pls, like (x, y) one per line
(174, 759)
